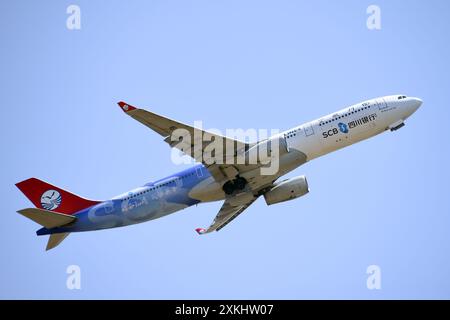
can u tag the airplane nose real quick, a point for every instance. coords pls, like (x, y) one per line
(414, 105)
(417, 102)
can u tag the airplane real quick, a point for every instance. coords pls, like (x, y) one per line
(237, 183)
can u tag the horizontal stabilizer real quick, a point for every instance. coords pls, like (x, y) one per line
(48, 219)
(55, 239)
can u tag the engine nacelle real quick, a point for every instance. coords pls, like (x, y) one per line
(287, 190)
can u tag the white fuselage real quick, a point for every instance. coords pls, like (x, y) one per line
(350, 125)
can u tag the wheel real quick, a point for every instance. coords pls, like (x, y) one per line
(228, 187)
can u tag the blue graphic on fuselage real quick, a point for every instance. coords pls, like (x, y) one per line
(151, 201)
(343, 127)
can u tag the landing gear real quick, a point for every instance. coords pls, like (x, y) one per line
(228, 187)
(240, 183)
(231, 186)
(397, 125)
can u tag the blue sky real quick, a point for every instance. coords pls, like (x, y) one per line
(230, 64)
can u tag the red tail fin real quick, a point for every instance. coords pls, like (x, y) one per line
(48, 197)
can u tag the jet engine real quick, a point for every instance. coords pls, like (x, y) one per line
(287, 190)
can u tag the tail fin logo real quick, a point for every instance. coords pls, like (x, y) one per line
(50, 200)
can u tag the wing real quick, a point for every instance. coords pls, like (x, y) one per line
(194, 142)
(231, 208)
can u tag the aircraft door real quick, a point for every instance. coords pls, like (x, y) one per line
(309, 130)
(199, 172)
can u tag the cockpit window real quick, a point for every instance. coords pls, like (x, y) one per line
(401, 97)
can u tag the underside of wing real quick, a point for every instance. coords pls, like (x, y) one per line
(231, 208)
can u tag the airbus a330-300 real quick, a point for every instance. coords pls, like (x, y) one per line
(224, 176)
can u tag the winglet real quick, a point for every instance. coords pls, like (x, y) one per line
(200, 230)
(125, 106)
